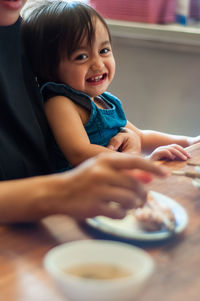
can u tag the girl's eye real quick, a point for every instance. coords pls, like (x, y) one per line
(81, 57)
(104, 50)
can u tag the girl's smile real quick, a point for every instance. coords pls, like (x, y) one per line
(96, 79)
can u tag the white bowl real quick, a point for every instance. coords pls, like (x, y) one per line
(135, 260)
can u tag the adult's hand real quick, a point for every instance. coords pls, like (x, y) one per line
(126, 141)
(93, 187)
(88, 190)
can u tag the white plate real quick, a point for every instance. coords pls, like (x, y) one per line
(128, 227)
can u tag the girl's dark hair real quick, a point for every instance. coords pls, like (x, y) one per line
(53, 30)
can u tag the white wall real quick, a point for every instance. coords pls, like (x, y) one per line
(159, 86)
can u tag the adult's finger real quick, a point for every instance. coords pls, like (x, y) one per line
(125, 198)
(141, 175)
(122, 179)
(116, 212)
(127, 161)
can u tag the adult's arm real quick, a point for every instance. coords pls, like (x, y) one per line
(84, 192)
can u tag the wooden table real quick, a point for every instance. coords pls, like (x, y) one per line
(177, 275)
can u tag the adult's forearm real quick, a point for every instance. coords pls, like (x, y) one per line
(24, 200)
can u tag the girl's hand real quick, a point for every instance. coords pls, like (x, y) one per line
(126, 141)
(170, 152)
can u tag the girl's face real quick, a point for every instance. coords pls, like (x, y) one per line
(90, 69)
(9, 11)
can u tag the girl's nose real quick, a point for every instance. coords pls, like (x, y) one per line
(97, 64)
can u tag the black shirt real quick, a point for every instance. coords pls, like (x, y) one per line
(24, 132)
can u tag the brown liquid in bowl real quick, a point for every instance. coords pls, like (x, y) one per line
(98, 271)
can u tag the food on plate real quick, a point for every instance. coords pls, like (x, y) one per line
(154, 216)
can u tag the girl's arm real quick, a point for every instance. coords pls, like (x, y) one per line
(66, 121)
(163, 146)
(153, 139)
(147, 141)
